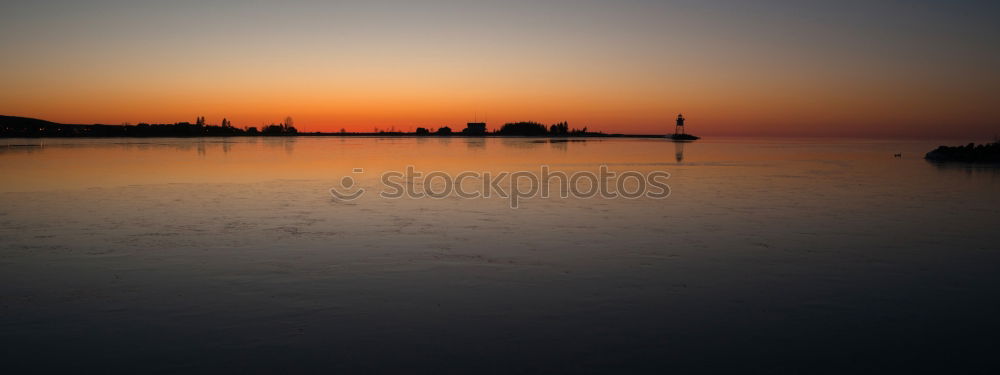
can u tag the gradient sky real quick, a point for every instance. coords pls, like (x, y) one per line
(913, 68)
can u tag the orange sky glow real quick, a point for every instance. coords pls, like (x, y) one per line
(774, 69)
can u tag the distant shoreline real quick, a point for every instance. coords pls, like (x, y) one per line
(24, 127)
(488, 135)
(970, 153)
(348, 135)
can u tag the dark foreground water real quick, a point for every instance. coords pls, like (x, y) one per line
(230, 256)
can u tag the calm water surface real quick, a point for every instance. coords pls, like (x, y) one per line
(229, 255)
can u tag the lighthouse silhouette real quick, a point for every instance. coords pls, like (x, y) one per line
(679, 129)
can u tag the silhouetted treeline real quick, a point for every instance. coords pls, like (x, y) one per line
(280, 129)
(11, 126)
(970, 153)
(531, 128)
(523, 128)
(527, 128)
(561, 128)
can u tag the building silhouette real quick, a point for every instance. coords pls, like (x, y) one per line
(475, 128)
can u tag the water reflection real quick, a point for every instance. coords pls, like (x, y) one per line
(285, 143)
(21, 148)
(972, 170)
(521, 143)
(475, 144)
(68, 163)
(559, 144)
(218, 257)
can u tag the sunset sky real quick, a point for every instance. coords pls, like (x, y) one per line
(915, 68)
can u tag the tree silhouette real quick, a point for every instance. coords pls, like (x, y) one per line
(561, 128)
(528, 128)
